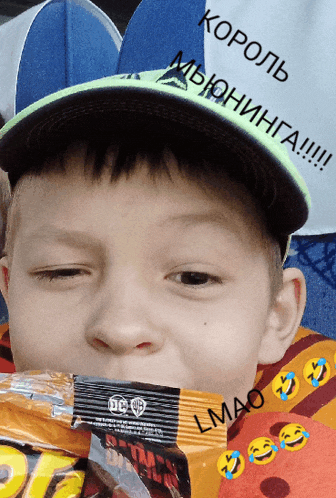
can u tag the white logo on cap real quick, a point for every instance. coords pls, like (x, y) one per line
(138, 406)
(117, 404)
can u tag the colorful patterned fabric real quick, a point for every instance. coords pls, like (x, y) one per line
(287, 446)
(6, 358)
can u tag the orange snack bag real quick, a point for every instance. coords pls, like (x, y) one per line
(40, 456)
(69, 436)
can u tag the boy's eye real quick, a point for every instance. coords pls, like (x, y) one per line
(192, 278)
(59, 274)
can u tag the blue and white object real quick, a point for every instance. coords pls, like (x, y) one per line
(51, 46)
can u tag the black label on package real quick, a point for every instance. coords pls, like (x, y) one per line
(144, 411)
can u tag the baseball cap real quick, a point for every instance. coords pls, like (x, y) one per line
(167, 102)
(281, 57)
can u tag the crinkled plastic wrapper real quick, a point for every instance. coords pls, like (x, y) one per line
(65, 436)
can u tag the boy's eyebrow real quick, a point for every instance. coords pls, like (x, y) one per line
(78, 237)
(213, 217)
(70, 237)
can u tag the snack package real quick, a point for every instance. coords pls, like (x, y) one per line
(65, 436)
(40, 456)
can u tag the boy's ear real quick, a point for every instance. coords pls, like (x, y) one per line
(4, 279)
(284, 317)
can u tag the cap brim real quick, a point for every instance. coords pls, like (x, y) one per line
(115, 105)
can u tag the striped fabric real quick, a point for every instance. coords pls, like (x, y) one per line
(318, 402)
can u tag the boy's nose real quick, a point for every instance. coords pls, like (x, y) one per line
(124, 323)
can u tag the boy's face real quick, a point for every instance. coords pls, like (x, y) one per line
(151, 281)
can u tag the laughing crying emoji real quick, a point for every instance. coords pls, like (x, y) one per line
(293, 437)
(262, 450)
(231, 464)
(285, 385)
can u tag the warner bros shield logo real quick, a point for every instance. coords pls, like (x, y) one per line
(138, 406)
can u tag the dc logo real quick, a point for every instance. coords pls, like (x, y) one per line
(117, 404)
(138, 406)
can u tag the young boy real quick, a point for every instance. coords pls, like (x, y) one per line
(143, 259)
(146, 237)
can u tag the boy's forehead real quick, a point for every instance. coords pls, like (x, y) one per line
(182, 201)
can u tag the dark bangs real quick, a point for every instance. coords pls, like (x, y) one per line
(194, 161)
